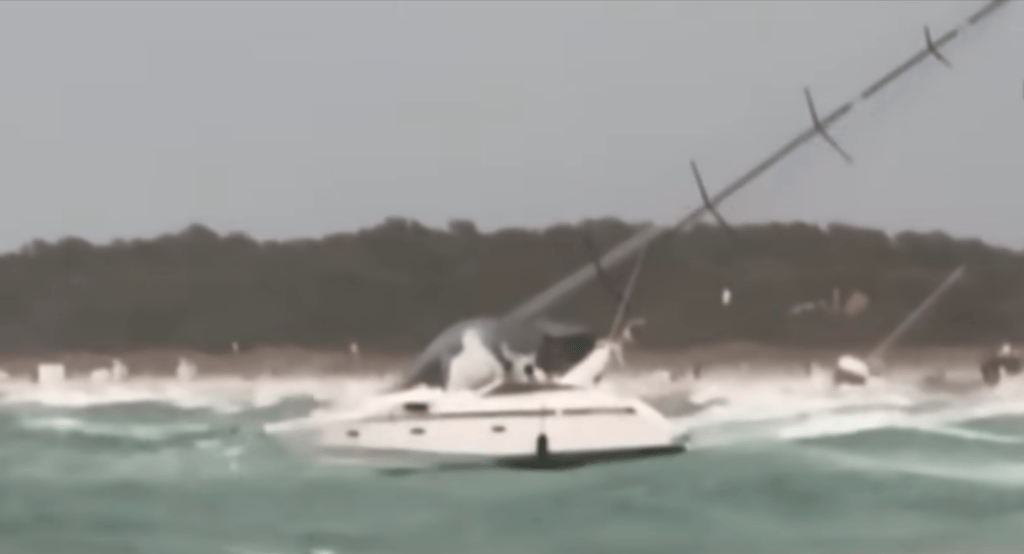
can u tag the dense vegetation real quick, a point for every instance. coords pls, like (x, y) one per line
(395, 285)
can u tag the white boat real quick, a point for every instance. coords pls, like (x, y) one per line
(856, 371)
(544, 426)
(513, 422)
(499, 392)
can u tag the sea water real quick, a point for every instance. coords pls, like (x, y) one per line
(774, 467)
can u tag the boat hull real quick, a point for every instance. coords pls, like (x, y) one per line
(553, 430)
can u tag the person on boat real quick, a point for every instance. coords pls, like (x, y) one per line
(522, 367)
(474, 366)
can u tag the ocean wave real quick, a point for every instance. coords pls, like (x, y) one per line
(155, 414)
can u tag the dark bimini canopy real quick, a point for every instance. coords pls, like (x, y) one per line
(557, 346)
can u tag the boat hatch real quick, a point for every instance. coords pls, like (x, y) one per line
(417, 407)
(513, 387)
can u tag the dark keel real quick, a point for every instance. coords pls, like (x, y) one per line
(549, 461)
(542, 461)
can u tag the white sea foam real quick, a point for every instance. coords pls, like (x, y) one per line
(722, 408)
(219, 393)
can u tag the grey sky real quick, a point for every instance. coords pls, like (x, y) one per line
(286, 119)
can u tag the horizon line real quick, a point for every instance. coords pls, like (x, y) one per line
(449, 228)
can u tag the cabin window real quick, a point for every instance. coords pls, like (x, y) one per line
(416, 407)
(597, 411)
(353, 433)
(417, 430)
(498, 428)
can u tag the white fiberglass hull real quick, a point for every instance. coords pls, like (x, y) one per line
(551, 428)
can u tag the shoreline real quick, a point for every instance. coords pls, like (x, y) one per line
(296, 361)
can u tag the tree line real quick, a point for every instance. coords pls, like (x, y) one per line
(394, 286)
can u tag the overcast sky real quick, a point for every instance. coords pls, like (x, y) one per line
(288, 119)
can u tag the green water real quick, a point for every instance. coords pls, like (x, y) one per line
(152, 478)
